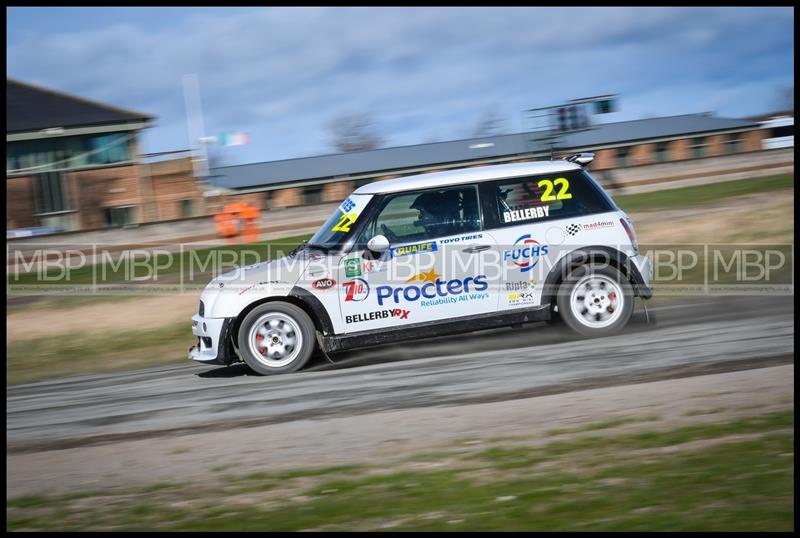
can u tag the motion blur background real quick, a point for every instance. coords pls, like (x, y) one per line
(166, 131)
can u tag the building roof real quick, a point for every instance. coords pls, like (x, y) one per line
(466, 175)
(32, 108)
(387, 160)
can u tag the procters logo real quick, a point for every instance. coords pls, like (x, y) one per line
(356, 289)
(434, 290)
(525, 253)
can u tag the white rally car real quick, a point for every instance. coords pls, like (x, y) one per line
(429, 255)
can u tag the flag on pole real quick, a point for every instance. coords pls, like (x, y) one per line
(233, 139)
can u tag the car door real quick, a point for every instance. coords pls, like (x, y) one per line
(538, 219)
(438, 266)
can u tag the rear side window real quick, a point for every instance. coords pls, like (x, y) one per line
(543, 197)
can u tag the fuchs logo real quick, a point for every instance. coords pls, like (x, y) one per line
(525, 253)
(356, 289)
(379, 314)
(323, 284)
(433, 287)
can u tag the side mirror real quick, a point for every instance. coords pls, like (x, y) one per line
(378, 244)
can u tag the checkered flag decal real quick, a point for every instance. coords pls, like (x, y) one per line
(572, 229)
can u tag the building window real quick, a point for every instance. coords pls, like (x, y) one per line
(108, 148)
(119, 216)
(698, 147)
(784, 130)
(662, 152)
(51, 194)
(312, 195)
(187, 208)
(66, 152)
(361, 182)
(624, 156)
(733, 143)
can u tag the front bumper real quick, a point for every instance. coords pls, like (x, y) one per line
(213, 340)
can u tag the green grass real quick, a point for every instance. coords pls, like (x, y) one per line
(611, 482)
(82, 353)
(684, 197)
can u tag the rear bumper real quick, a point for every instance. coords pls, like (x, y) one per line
(213, 340)
(641, 270)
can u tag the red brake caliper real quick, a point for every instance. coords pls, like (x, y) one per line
(611, 297)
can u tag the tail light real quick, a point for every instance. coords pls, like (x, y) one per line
(631, 234)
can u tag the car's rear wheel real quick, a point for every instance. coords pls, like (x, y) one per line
(276, 338)
(595, 300)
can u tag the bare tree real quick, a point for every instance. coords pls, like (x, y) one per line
(354, 132)
(491, 122)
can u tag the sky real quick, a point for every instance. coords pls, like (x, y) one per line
(422, 74)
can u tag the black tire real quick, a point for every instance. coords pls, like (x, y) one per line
(294, 320)
(572, 314)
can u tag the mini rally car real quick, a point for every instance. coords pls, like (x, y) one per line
(430, 255)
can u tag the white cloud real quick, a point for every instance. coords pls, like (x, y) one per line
(280, 74)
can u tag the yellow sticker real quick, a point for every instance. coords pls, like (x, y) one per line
(549, 187)
(345, 222)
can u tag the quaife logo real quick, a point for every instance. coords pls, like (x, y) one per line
(428, 246)
(378, 314)
(525, 253)
(435, 291)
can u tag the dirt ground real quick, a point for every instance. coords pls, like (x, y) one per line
(390, 439)
(759, 218)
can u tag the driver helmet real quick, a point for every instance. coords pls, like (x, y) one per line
(437, 211)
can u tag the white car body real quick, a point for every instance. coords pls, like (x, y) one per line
(503, 270)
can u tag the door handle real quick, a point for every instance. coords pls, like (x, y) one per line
(477, 248)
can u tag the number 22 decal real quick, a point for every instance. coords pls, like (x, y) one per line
(547, 196)
(344, 223)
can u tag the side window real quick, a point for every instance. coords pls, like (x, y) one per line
(425, 215)
(545, 197)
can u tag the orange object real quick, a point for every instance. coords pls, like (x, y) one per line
(227, 224)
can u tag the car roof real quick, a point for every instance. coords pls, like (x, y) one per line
(465, 175)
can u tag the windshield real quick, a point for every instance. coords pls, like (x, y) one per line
(340, 225)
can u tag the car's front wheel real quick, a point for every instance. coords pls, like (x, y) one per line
(276, 338)
(595, 300)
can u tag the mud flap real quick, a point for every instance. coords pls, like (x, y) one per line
(649, 314)
(321, 345)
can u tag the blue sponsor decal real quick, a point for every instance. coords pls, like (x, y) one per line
(434, 291)
(525, 253)
(428, 246)
(347, 205)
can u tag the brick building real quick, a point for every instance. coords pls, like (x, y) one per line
(691, 139)
(70, 162)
